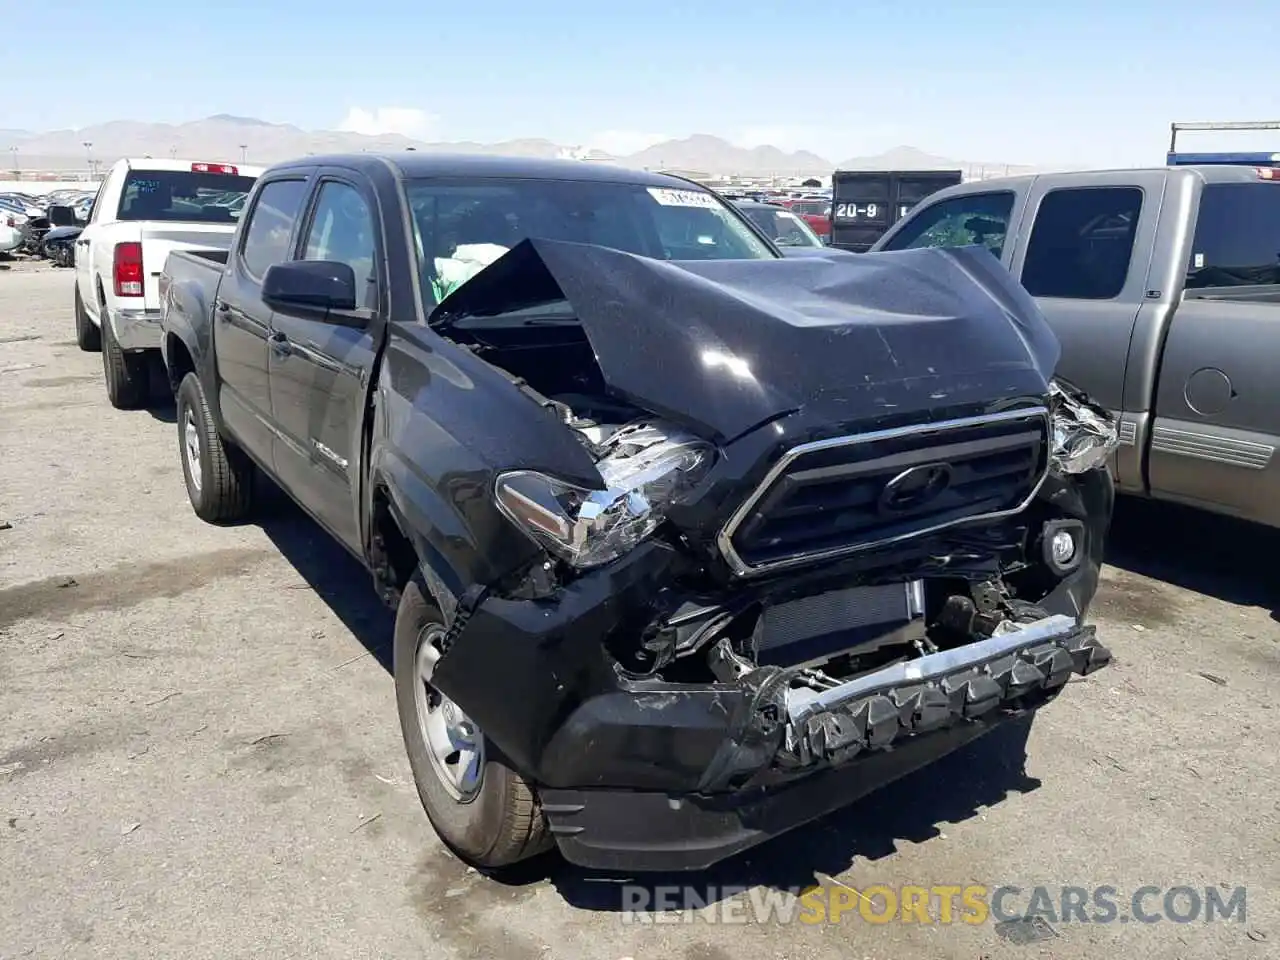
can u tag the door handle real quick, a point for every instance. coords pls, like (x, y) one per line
(223, 306)
(280, 344)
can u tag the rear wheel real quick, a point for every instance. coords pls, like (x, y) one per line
(88, 336)
(128, 375)
(219, 476)
(481, 808)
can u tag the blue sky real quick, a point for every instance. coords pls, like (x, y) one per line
(1079, 82)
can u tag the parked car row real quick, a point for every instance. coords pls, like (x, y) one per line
(679, 531)
(26, 221)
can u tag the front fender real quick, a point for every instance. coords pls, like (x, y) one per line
(445, 425)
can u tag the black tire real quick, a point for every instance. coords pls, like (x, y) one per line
(128, 375)
(223, 492)
(88, 336)
(503, 823)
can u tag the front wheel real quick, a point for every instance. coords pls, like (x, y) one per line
(219, 476)
(481, 808)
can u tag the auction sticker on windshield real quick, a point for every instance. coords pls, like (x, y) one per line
(683, 198)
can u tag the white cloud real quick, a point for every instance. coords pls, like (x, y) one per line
(406, 121)
(620, 143)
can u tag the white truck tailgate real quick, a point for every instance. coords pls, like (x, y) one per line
(160, 239)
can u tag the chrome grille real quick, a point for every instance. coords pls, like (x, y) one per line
(835, 497)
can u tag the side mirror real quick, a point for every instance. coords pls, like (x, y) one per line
(310, 285)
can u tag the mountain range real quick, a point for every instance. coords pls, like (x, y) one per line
(231, 138)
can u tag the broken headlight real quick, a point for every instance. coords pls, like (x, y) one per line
(1084, 434)
(645, 468)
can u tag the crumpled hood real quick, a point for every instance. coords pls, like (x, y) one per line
(723, 346)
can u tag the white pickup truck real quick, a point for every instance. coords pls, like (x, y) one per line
(145, 209)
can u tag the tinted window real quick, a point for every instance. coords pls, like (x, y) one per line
(974, 218)
(342, 230)
(462, 227)
(182, 195)
(271, 225)
(1237, 240)
(1082, 242)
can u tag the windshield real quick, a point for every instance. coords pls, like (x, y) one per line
(183, 195)
(462, 227)
(783, 227)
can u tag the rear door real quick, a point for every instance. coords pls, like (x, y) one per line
(320, 364)
(1085, 259)
(1217, 402)
(242, 322)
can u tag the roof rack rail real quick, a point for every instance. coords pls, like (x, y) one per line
(1244, 158)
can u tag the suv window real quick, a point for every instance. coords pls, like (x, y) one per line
(342, 229)
(1082, 242)
(1237, 241)
(974, 218)
(271, 225)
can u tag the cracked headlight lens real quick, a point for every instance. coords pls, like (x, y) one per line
(645, 471)
(1084, 434)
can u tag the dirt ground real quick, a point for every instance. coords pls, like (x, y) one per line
(199, 752)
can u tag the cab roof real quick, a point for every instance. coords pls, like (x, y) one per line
(413, 165)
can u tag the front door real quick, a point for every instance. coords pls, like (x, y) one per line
(242, 322)
(83, 255)
(320, 366)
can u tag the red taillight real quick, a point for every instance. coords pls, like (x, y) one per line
(127, 269)
(1268, 173)
(214, 168)
(12, 222)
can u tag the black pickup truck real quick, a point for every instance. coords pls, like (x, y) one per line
(688, 543)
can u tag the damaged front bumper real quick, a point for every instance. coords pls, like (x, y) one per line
(650, 774)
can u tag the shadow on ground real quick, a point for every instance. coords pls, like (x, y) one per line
(163, 404)
(1199, 551)
(336, 576)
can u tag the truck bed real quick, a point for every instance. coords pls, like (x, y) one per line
(216, 256)
(189, 281)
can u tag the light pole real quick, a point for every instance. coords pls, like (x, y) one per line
(244, 153)
(88, 155)
(16, 168)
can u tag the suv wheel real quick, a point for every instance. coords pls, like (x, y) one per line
(481, 808)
